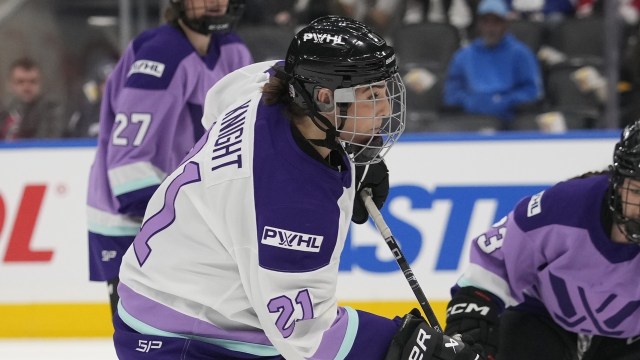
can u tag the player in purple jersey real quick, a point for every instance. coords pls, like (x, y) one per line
(239, 252)
(557, 278)
(151, 117)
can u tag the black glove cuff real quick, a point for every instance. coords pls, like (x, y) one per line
(375, 177)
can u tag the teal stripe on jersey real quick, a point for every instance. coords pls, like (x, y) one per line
(135, 185)
(114, 230)
(350, 334)
(239, 346)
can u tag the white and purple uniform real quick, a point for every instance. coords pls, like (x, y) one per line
(240, 245)
(149, 120)
(554, 254)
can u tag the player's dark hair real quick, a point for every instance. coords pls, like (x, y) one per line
(171, 16)
(277, 91)
(590, 174)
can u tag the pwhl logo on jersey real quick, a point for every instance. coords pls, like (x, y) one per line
(147, 67)
(535, 205)
(291, 240)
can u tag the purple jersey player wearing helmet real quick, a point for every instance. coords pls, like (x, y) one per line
(239, 251)
(557, 278)
(151, 117)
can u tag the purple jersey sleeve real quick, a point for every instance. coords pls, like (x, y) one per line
(373, 327)
(150, 118)
(553, 253)
(369, 336)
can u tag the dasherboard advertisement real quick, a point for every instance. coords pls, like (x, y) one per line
(444, 191)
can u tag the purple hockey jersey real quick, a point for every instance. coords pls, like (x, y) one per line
(150, 118)
(552, 253)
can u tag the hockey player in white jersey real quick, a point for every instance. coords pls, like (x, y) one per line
(238, 254)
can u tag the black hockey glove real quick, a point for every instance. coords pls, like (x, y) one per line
(375, 177)
(417, 340)
(472, 316)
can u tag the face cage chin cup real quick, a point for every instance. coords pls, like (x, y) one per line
(632, 231)
(630, 228)
(379, 140)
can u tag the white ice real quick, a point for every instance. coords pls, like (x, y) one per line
(54, 349)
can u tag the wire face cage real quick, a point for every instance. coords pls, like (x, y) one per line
(375, 120)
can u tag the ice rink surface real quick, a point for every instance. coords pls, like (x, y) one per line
(54, 349)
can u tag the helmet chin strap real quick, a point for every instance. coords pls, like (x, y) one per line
(331, 133)
(319, 120)
(206, 25)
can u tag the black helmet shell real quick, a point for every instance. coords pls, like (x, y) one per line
(626, 157)
(337, 52)
(626, 164)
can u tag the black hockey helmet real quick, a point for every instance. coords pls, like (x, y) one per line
(626, 164)
(335, 52)
(209, 24)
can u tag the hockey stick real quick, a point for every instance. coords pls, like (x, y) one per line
(400, 259)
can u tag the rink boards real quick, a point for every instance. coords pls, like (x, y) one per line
(445, 189)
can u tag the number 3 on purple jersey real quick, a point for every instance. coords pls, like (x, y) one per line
(285, 306)
(165, 217)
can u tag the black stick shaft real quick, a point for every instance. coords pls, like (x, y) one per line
(400, 259)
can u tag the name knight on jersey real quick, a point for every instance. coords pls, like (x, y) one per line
(228, 145)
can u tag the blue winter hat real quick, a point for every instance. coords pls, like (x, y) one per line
(496, 7)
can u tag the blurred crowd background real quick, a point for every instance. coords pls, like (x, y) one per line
(56, 55)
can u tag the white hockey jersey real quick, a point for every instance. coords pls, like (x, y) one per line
(240, 245)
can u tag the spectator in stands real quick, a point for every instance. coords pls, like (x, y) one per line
(496, 73)
(382, 15)
(458, 13)
(85, 121)
(269, 12)
(286, 12)
(29, 114)
(3, 117)
(629, 10)
(548, 10)
(308, 10)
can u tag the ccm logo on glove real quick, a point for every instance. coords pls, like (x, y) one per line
(468, 308)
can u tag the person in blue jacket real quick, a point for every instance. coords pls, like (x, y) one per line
(495, 73)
